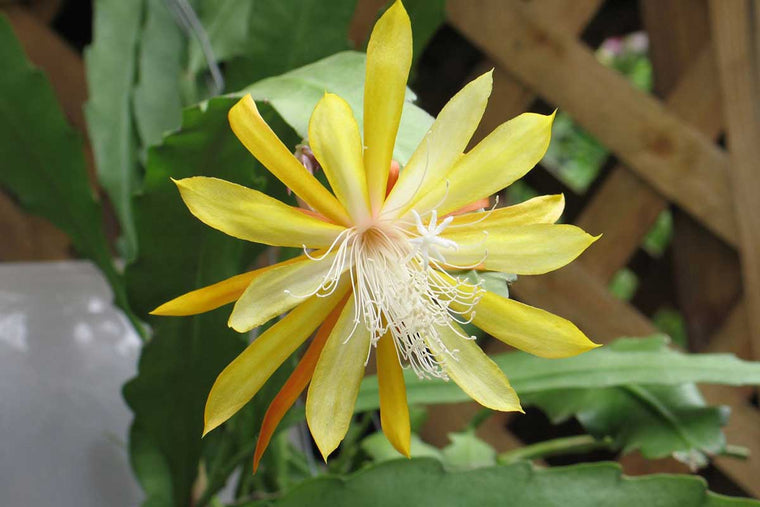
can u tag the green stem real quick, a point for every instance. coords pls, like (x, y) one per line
(557, 446)
(736, 451)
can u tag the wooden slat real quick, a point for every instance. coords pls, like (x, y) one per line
(509, 96)
(681, 163)
(364, 18)
(707, 277)
(574, 294)
(625, 207)
(677, 29)
(736, 32)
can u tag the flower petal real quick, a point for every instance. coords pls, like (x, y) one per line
(252, 215)
(335, 139)
(245, 375)
(335, 384)
(213, 296)
(544, 209)
(278, 290)
(523, 249)
(474, 371)
(505, 155)
(264, 144)
(530, 329)
(394, 411)
(389, 57)
(295, 384)
(443, 144)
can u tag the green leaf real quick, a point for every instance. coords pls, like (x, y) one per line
(492, 281)
(295, 94)
(178, 254)
(632, 390)
(43, 162)
(379, 448)
(163, 49)
(467, 451)
(267, 38)
(111, 63)
(426, 482)
(658, 420)
(627, 361)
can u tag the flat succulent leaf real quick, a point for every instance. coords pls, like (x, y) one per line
(637, 391)
(658, 420)
(426, 482)
(294, 95)
(111, 64)
(260, 39)
(626, 361)
(43, 162)
(158, 102)
(179, 364)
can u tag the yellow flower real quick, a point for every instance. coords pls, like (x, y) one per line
(378, 255)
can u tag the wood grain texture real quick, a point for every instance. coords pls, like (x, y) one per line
(706, 270)
(736, 32)
(678, 161)
(625, 206)
(510, 96)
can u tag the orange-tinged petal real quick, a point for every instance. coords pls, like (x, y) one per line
(213, 296)
(264, 144)
(295, 384)
(248, 372)
(389, 57)
(335, 383)
(336, 141)
(394, 411)
(251, 215)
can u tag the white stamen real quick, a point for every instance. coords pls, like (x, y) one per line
(397, 287)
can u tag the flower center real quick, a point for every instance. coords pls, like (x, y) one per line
(399, 290)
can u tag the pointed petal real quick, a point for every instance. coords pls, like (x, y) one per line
(389, 56)
(245, 375)
(252, 215)
(524, 327)
(505, 155)
(213, 296)
(264, 144)
(442, 145)
(394, 411)
(530, 329)
(335, 384)
(295, 384)
(335, 139)
(544, 209)
(207, 298)
(474, 371)
(278, 290)
(523, 249)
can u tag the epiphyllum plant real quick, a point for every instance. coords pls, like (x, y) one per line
(379, 262)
